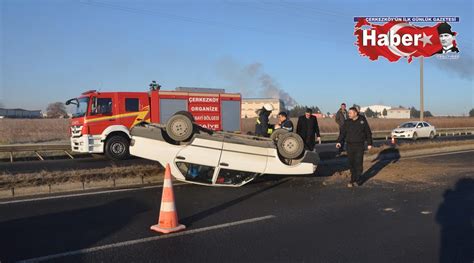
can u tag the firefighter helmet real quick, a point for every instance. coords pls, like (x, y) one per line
(268, 107)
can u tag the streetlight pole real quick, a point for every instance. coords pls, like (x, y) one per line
(422, 106)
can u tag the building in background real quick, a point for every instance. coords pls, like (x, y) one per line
(376, 109)
(250, 106)
(19, 113)
(398, 113)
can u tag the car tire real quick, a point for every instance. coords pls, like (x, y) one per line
(117, 148)
(415, 136)
(432, 135)
(290, 145)
(186, 113)
(180, 127)
(277, 133)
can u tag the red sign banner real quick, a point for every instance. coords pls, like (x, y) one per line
(396, 39)
(206, 111)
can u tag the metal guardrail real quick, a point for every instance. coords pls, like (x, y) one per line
(387, 133)
(65, 147)
(36, 148)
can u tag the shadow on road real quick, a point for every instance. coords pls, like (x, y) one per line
(188, 221)
(456, 218)
(384, 158)
(59, 232)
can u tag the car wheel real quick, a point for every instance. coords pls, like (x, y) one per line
(276, 134)
(179, 127)
(290, 145)
(186, 113)
(432, 135)
(117, 148)
(415, 136)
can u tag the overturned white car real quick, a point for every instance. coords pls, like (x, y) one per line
(200, 156)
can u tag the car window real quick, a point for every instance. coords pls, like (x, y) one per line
(419, 125)
(196, 172)
(102, 106)
(234, 177)
(407, 125)
(131, 104)
(426, 124)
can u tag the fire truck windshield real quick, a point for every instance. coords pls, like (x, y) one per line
(81, 107)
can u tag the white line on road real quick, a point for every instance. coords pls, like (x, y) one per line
(84, 194)
(148, 239)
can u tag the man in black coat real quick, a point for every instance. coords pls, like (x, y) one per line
(308, 129)
(341, 117)
(355, 132)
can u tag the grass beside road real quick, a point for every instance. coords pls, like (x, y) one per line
(46, 130)
(329, 125)
(72, 180)
(33, 130)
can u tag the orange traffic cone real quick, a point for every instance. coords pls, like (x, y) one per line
(168, 221)
(393, 140)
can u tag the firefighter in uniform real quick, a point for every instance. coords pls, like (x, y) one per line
(355, 132)
(262, 127)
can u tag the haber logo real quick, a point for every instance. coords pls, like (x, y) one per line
(398, 38)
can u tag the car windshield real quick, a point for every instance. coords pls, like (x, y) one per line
(408, 125)
(81, 107)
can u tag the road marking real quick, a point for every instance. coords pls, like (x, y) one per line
(84, 194)
(148, 239)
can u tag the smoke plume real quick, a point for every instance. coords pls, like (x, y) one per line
(463, 67)
(253, 81)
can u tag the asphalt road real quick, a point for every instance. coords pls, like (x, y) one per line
(326, 150)
(277, 219)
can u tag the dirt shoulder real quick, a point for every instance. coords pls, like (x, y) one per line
(82, 179)
(402, 165)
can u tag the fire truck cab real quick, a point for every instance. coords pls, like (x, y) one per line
(102, 121)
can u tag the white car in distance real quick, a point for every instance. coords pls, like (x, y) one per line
(414, 130)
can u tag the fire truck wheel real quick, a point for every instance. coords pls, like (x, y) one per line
(179, 127)
(276, 134)
(186, 113)
(290, 145)
(117, 148)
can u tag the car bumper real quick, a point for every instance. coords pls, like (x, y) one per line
(87, 144)
(402, 135)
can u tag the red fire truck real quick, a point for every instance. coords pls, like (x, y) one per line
(102, 120)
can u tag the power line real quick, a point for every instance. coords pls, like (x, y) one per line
(180, 18)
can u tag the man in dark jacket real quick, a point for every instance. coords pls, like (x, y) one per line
(341, 117)
(355, 132)
(284, 122)
(307, 128)
(262, 125)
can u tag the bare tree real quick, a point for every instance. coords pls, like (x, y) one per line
(56, 110)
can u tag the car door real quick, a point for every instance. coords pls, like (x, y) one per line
(420, 130)
(241, 154)
(428, 128)
(198, 161)
(102, 113)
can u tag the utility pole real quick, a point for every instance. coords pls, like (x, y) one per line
(422, 106)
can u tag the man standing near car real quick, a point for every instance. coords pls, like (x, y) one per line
(307, 127)
(355, 132)
(341, 117)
